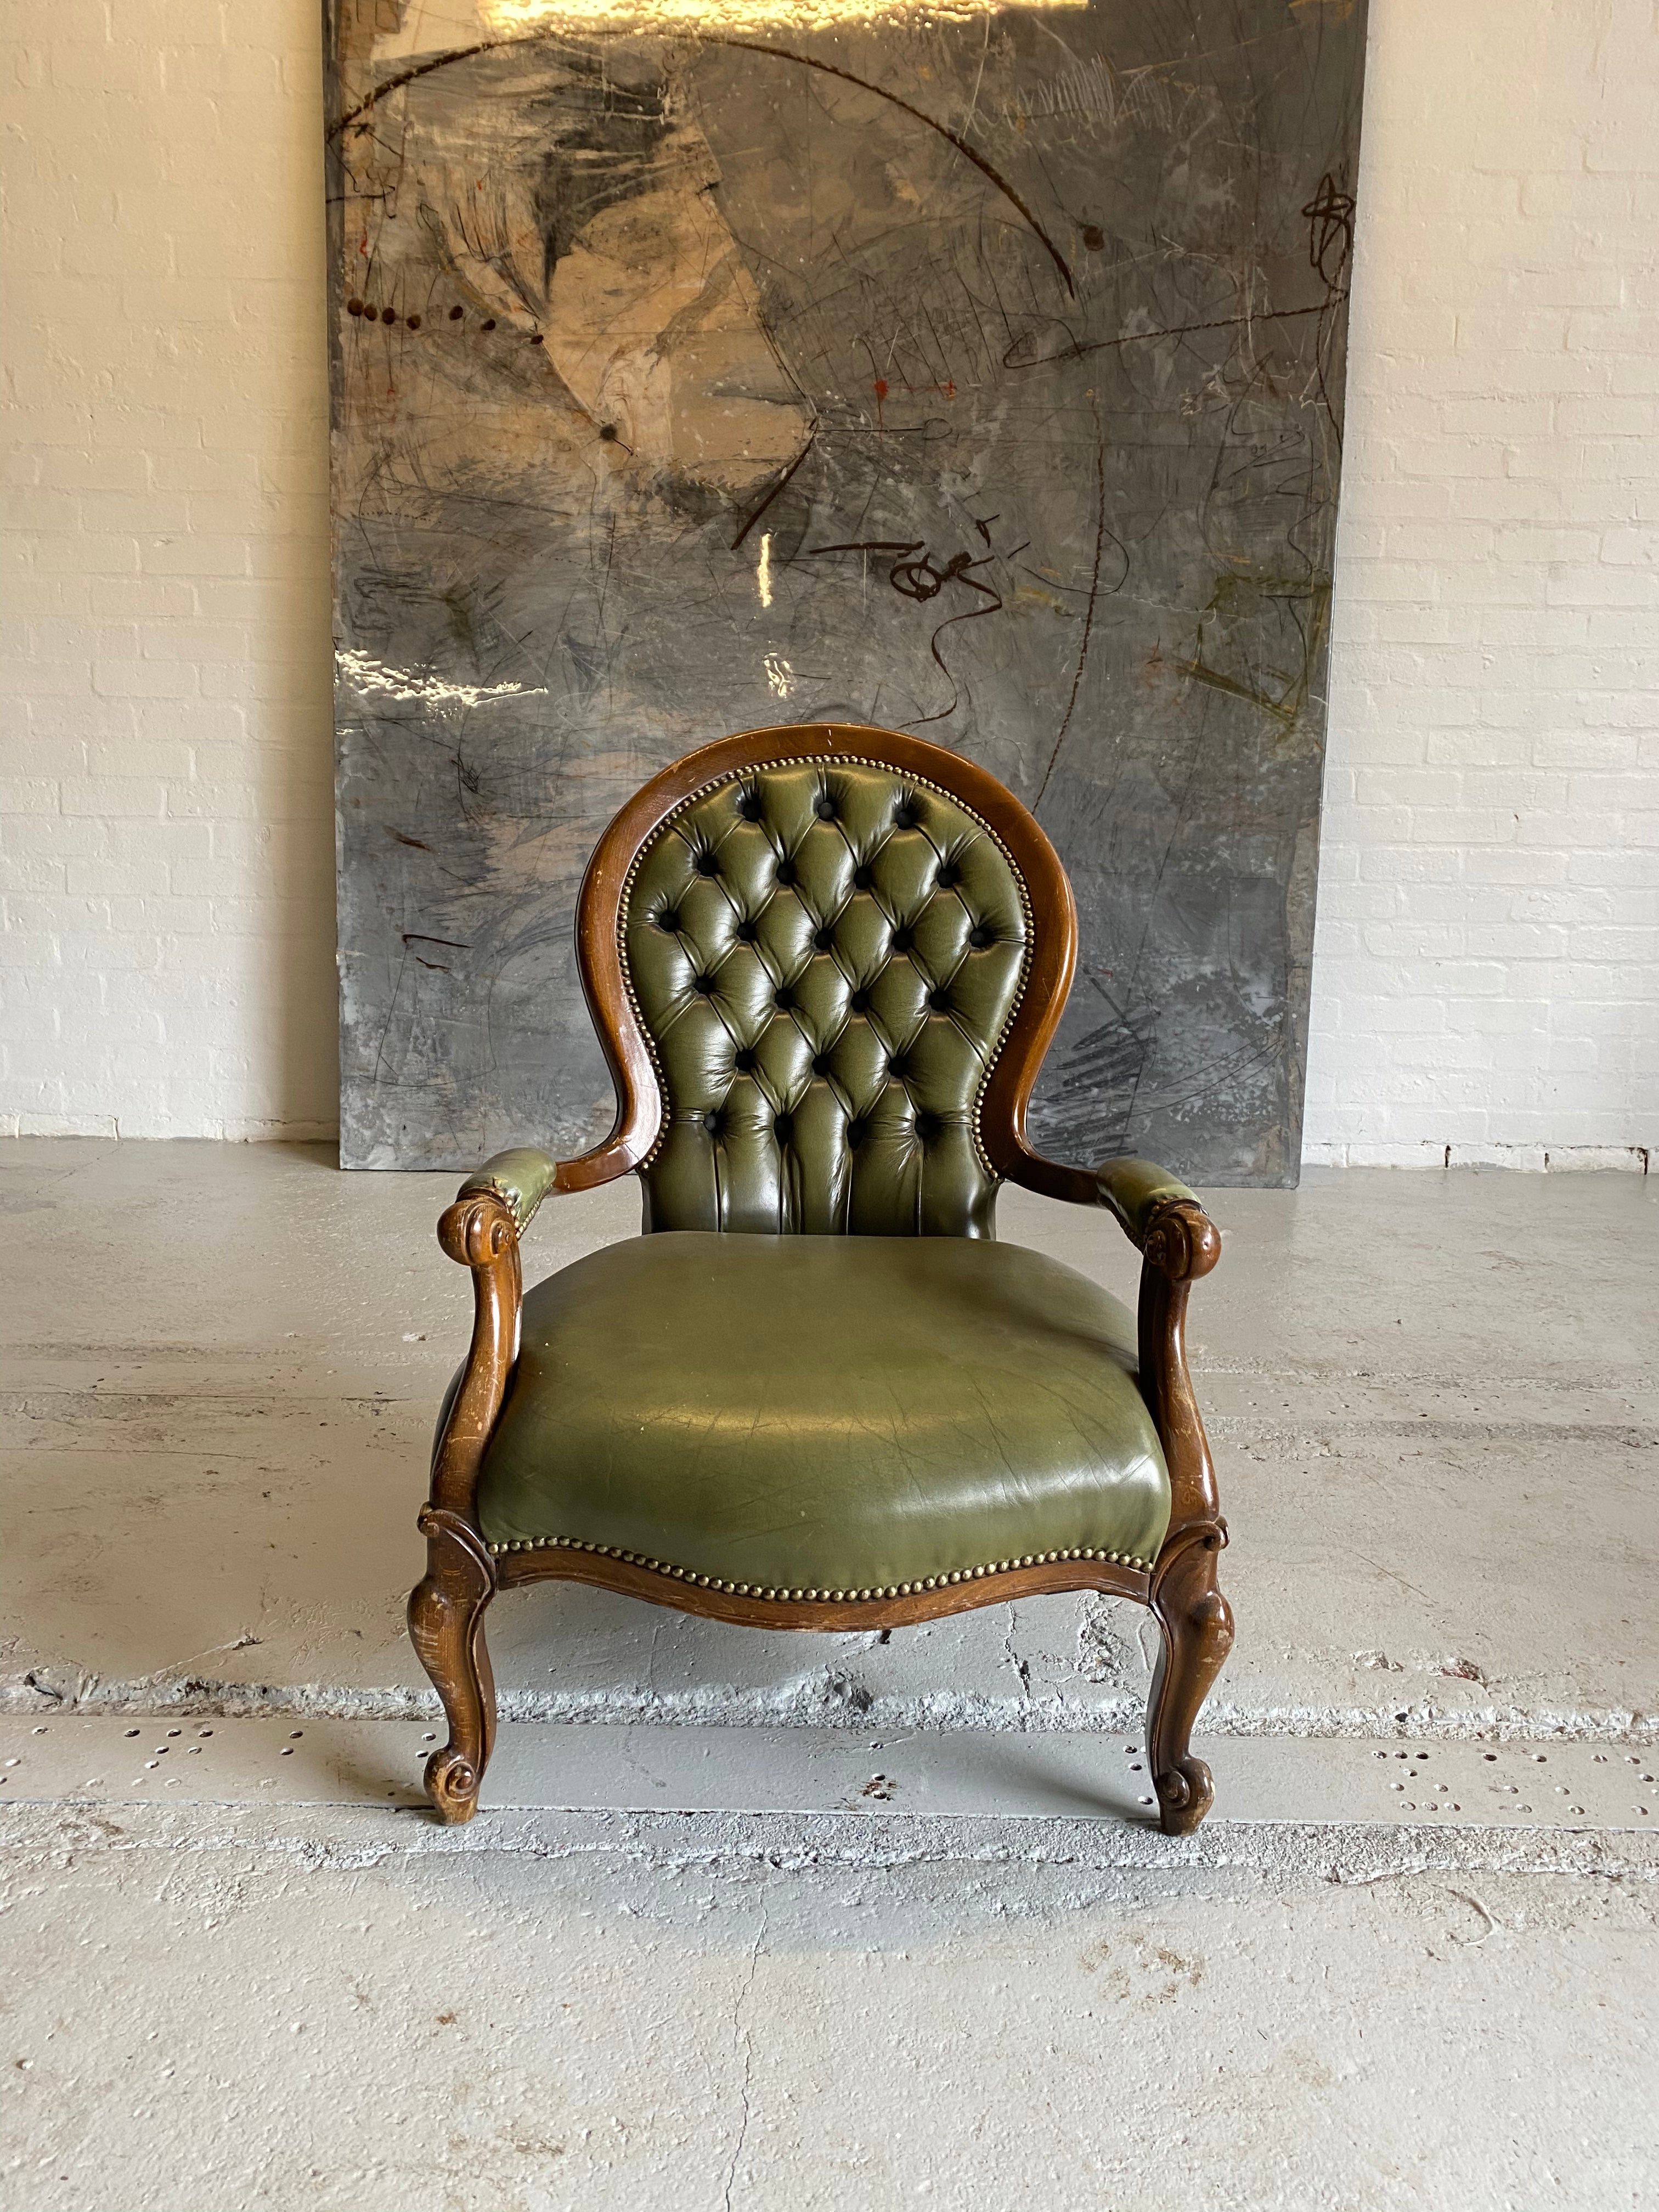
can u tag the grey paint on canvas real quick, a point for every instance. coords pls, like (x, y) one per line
(980, 378)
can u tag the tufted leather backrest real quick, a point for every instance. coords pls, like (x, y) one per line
(825, 955)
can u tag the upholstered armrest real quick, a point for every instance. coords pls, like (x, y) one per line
(520, 1178)
(1142, 1197)
(1135, 1191)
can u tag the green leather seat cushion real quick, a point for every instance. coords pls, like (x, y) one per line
(834, 1413)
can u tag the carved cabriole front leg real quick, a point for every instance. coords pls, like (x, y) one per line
(1181, 1245)
(446, 1608)
(446, 1626)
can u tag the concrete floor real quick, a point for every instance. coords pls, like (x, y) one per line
(1433, 1403)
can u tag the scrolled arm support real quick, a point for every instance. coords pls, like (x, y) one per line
(1179, 1245)
(479, 1232)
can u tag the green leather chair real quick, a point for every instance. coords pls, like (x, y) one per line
(816, 1392)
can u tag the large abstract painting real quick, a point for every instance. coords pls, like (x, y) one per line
(976, 374)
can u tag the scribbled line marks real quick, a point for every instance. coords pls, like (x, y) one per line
(1305, 603)
(915, 575)
(1101, 535)
(1329, 217)
(413, 937)
(1078, 347)
(756, 512)
(963, 147)
(1329, 214)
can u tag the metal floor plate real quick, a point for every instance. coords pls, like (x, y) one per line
(614, 1766)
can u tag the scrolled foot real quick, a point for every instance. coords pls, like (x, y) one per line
(1185, 1795)
(446, 1625)
(452, 1784)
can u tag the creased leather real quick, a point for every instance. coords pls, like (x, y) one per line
(824, 1411)
(826, 957)
(522, 1176)
(1133, 1190)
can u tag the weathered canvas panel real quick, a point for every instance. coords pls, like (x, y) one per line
(977, 376)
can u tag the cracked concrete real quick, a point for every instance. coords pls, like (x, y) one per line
(1434, 1405)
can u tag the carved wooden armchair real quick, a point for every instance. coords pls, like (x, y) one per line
(815, 1393)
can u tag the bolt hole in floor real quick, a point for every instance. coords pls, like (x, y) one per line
(601, 1767)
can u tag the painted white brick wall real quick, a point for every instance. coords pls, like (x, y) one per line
(166, 835)
(1484, 975)
(1486, 979)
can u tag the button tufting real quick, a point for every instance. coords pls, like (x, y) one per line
(747, 932)
(786, 871)
(784, 1128)
(744, 1060)
(825, 808)
(783, 998)
(712, 1123)
(949, 875)
(904, 938)
(863, 877)
(821, 1063)
(904, 815)
(898, 1064)
(708, 864)
(823, 940)
(939, 1001)
(859, 1001)
(703, 986)
(750, 807)
(980, 937)
(668, 920)
(854, 1135)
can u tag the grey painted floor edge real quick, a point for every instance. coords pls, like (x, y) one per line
(752, 1923)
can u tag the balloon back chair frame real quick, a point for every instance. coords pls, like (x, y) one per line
(482, 1231)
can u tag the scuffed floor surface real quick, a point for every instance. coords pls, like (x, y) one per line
(222, 2013)
(1410, 1961)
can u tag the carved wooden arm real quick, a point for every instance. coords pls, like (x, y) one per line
(1178, 1243)
(482, 1231)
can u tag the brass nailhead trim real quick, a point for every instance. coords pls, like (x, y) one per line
(672, 1573)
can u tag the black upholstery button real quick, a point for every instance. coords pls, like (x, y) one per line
(703, 986)
(854, 1135)
(927, 1124)
(821, 1063)
(863, 877)
(750, 807)
(904, 938)
(824, 939)
(668, 920)
(904, 815)
(708, 865)
(939, 1001)
(825, 808)
(948, 875)
(980, 938)
(898, 1064)
(786, 871)
(744, 1060)
(783, 1129)
(747, 932)
(859, 1001)
(712, 1123)
(783, 997)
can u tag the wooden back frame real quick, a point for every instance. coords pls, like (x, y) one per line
(1179, 1245)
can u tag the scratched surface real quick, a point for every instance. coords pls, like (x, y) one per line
(982, 378)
